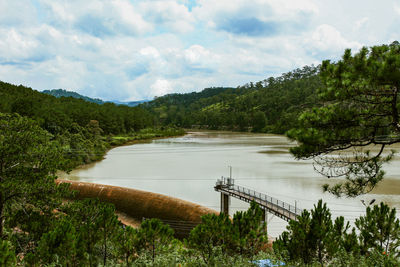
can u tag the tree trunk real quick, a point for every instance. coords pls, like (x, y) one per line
(1, 215)
(154, 250)
(105, 244)
(89, 250)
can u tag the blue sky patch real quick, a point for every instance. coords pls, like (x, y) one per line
(137, 71)
(249, 27)
(95, 26)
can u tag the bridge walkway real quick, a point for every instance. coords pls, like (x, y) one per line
(274, 206)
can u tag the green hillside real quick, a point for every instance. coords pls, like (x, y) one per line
(59, 114)
(271, 105)
(85, 130)
(65, 93)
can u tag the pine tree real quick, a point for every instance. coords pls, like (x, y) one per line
(215, 231)
(315, 237)
(127, 243)
(379, 229)
(359, 106)
(154, 234)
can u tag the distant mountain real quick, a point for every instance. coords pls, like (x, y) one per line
(65, 93)
(131, 103)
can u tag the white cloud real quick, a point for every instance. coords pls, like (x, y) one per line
(161, 87)
(169, 13)
(327, 39)
(98, 17)
(126, 12)
(216, 13)
(198, 56)
(59, 11)
(150, 51)
(396, 7)
(361, 23)
(17, 13)
(59, 66)
(15, 46)
(291, 8)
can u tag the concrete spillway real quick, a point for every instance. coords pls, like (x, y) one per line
(141, 204)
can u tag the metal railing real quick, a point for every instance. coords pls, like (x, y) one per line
(277, 206)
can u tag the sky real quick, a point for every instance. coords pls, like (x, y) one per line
(131, 50)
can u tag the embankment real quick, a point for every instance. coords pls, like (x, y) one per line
(141, 204)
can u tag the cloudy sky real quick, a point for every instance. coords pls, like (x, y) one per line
(138, 49)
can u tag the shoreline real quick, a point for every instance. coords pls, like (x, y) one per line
(127, 143)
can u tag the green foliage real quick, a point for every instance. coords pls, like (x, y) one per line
(249, 232)
(314, 237)
(57, 114)
(96, 224)
(245, 235)
(259, 121)
(28, 161)
(345, 259)
(127, 243)
(212, 234)
(41, 228)
(379, 230)
(359, 106)
(78, 125)
(271, 105)
(7, 255)
(60, 244)
(65, 93)
(154, 235)
(107, 222)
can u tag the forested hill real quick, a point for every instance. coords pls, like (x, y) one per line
(271, 105)
(59, 114)
(65, 93)
(84, 130)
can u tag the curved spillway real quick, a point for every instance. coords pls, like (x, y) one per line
(141, 204)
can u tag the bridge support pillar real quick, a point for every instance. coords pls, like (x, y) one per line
(225, 203)
(264, 216)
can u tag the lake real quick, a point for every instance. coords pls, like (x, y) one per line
(187, 167)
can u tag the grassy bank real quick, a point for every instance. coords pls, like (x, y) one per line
(81, 148)
(144, 134)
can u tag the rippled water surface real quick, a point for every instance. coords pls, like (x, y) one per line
(187, 167)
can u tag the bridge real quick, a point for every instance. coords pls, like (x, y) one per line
(227, 188)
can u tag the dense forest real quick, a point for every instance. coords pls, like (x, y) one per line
(271, 105)
(85, 129)
(65, 93)
(59, 114)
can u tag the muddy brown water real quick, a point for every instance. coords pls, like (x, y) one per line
(187, 168)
